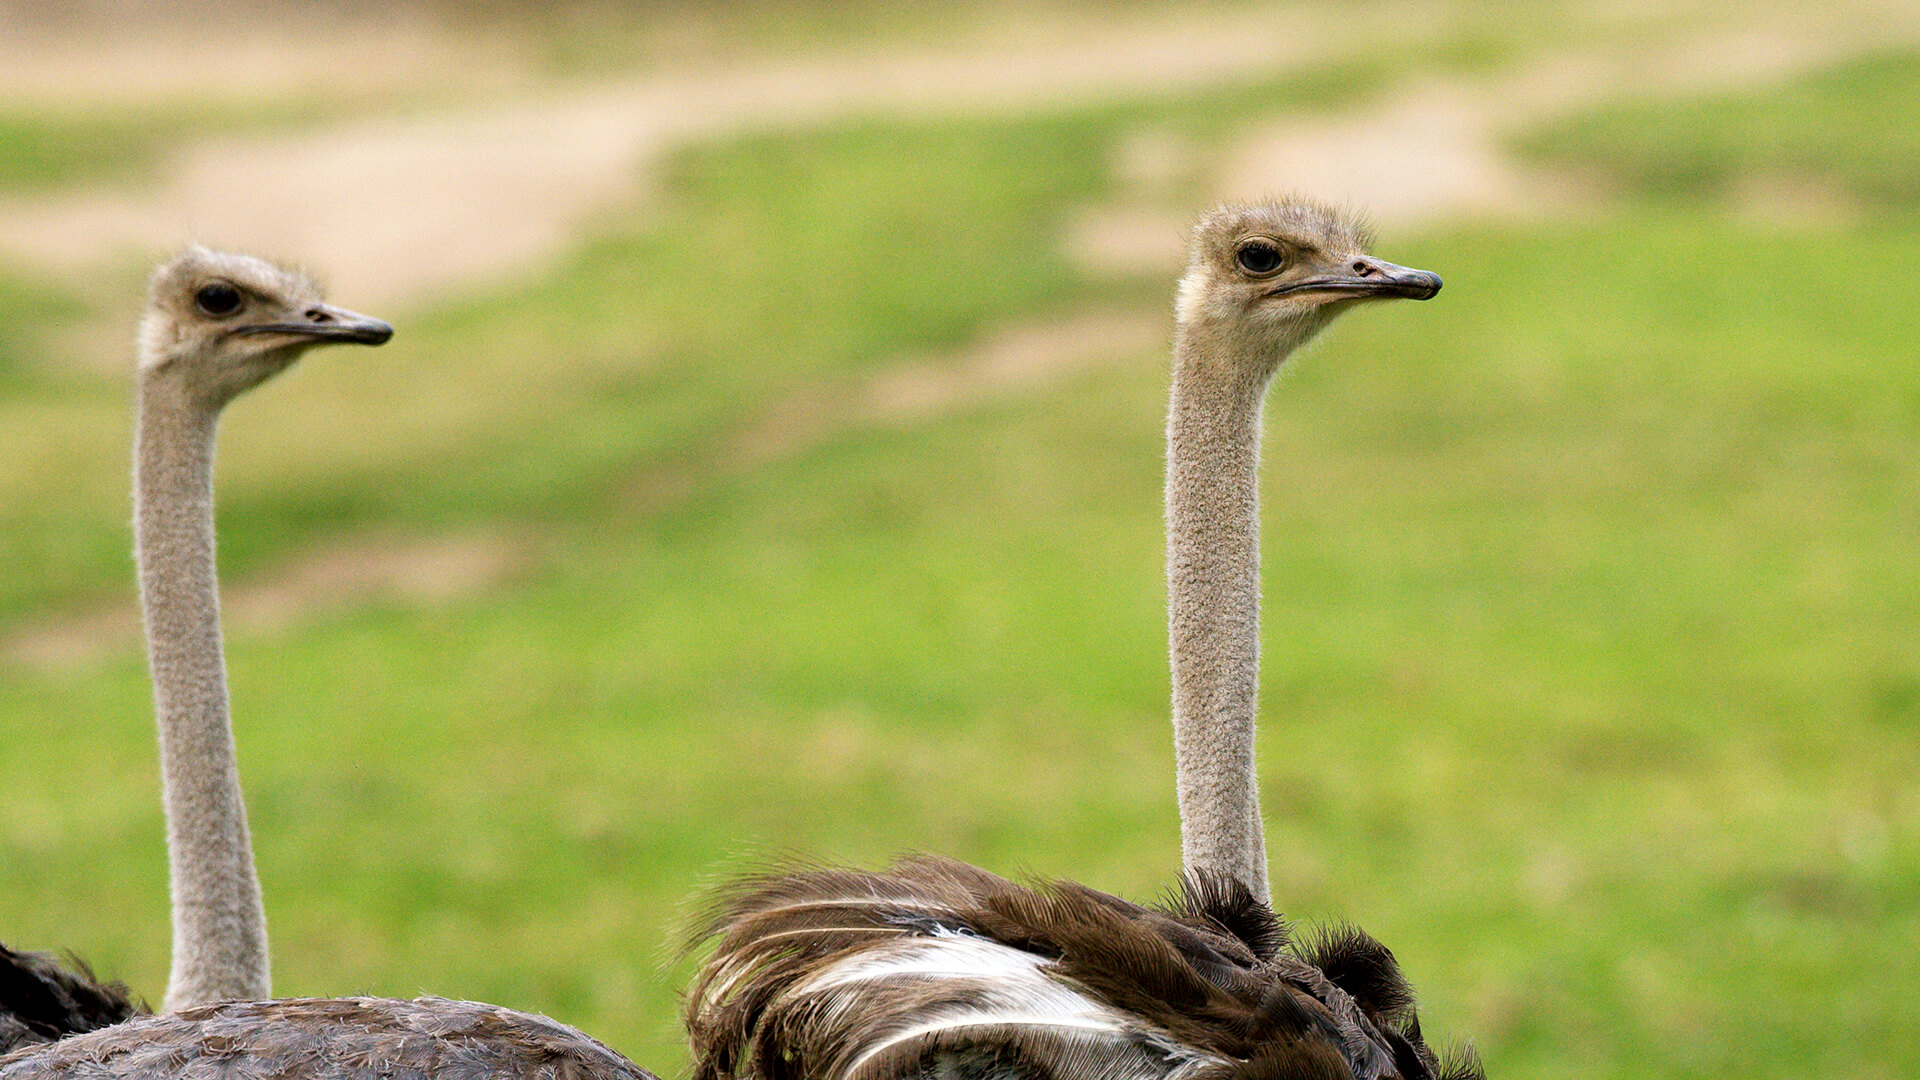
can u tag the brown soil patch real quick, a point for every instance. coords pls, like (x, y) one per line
(400, 209)
(1437, 148)
(1434, 148)
(222, 57)
(1013, 360)
(403, 209)
(322, 580)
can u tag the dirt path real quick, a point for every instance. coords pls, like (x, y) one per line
(329, 577)
(409, 208)
(406, 209)
(1433, 148)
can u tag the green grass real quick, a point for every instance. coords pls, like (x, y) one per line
(1849, 126)
(1591, 682)
(25, 308)
(42, 150)
(845, 250)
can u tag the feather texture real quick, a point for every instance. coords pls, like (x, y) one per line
(327, 1039)
(936, 970)
(42, 1000)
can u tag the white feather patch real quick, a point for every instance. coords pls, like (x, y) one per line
(1009, 988)
(950, 956)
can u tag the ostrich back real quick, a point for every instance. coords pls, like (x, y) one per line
(324, 1039)
(935, 970)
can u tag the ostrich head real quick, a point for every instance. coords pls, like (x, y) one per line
(1264, 278)
(221, 324)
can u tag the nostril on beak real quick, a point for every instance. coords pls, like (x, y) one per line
(1363, 269)
(318, 315)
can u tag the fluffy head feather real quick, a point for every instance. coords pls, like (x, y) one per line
(219, 323)
(935, 970)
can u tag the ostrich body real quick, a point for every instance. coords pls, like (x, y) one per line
(328, 1039)
(217, 325)
(935, 970)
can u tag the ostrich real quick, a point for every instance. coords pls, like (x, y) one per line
(935, 970)
(217, 325)
(1261, 281)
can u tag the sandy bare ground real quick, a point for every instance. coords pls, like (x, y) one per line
(408, 208)
(328, 578)
(1433, 148)
(1012, 360)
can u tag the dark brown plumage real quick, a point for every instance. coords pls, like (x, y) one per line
(937, 969)
(42, 999)
(333, 1038)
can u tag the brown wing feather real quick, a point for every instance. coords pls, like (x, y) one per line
(935, 970)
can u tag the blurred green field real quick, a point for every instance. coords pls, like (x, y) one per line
(1593, 642)
(1847, 129)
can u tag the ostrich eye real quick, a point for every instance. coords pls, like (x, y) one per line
(1259, 257)
(218, 299)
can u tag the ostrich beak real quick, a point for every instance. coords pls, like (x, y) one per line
(325, 323)
(1368, 276)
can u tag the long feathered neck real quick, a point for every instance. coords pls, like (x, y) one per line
(1213, 602)
(219, 926)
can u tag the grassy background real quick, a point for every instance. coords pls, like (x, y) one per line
(1592, 670)
(1843, 128)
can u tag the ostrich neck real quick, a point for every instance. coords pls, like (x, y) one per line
(219, 927)
(1213, 607)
